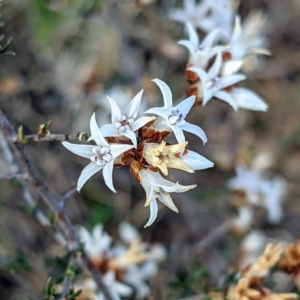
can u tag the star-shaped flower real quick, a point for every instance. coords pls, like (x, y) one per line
(201, 53)
(212, 83)
(158, 188)
(175, 116)
(102, 156)
(174, 157)
(125, 123)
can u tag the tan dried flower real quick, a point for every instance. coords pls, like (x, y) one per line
(262, 266)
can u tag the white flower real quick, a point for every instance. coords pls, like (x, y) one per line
(196, 161)
(102, 156)
(274, 191)
(244, 219)
(212, 83)
(175, 116)
(90, 289)
(96, 243)
(191, 12)
(158, 188)
(128, 233)
(248, 181)
(221, 15)
(200, 53)
(125, 123)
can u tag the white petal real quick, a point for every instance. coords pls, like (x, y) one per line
(115, 110)
(109, 130)
(107, 175)
(96, 133)
(132, 109)
(178, 134)
(231, 67)
(166, 199)
(230, 80)
(215, 68)
(247, 99)
(122, 289)
(185, 188)
(159, 111)
(195, 130)
(193, 35)
(209, 40)
(166, 92)
(131, 135)
(201, 73)
(128, 233)
(227, 98)
(153, 212)
(188, 45)
(81, 150)
(117, 149)
(87, 173)
(140, 122)
(196, 161)
(186, 105)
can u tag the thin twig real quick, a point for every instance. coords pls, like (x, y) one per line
(54, 205)
(212, 237)
(81, 136)
(15, 176)
(67, 195)
(69, 276)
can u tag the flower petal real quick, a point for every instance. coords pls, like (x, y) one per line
(231, 67)
(166, 92)
(209, 40)
(132, 109)
(186, 105)
(132, 136)
(201, 73)
(166, 199)
(193, 36)
(86, 174)
(81, 150)
(153, 213)
(109, 130)
(195, 130)
(215, 68)
(196, 161)
(107, 175)
(227, 98)
(117, 149)
(188, 45)
(140, 122)
(185, 188)
(96, 133)
(230, 80)
(115, 110)
(178, 133)
(159, 111)
(247, 99)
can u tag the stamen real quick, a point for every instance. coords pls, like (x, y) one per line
(100, 162)
(123, 118)
(104, 150)
(96, 150)
(94, 158)
(107, 157)
(122, 129)
(180, 122)
(117, 125)
(130, 121)
(173, 119)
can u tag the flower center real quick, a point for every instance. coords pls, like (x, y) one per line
(102, 155)
(176, 117)
(124, 124)
(212, 83)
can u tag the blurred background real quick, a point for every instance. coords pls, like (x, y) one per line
(69, 55)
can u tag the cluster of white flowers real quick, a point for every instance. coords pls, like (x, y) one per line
(126, 265)
(214, 69)
(138, 142)
(258, 191)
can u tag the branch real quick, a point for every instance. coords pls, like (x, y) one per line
(67, 195)
(15, 176)
(69, 276)
(54, 205)
(81, 136)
